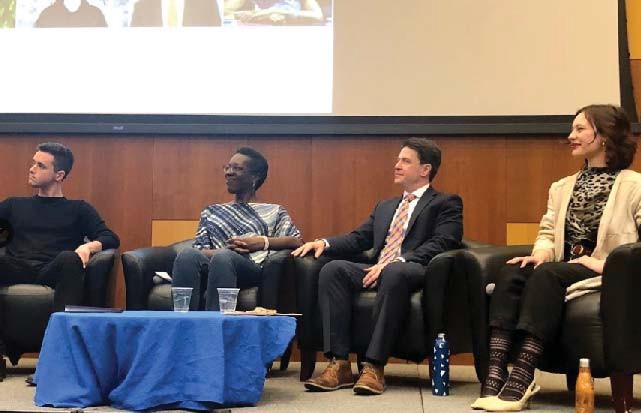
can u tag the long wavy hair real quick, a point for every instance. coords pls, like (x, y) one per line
(614, 126)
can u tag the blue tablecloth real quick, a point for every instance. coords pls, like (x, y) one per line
(143, 359)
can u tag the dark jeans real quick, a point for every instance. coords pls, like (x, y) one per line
(225, 269)
(533, 300)
(339, 280)
(65, 274)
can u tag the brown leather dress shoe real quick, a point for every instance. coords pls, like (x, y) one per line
(372, 380)
(337, 375)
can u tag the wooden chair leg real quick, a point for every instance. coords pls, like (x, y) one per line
(14, 357)
(621, 384)
(307, 364)
(570, 381)
(430, 369)
(284, 359)
(3, 368)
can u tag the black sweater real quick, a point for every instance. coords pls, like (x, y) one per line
(43, 227)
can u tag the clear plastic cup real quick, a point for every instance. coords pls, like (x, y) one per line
(182, 297)
(227, 298)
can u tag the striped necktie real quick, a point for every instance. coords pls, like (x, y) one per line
(396, 232)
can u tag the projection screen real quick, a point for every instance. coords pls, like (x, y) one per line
(215, 61)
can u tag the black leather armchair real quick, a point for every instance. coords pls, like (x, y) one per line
(25, 308)
(140, 266)
(604, 327)
(433, 309)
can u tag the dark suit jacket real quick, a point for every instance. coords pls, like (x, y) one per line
(436, 225)
(148, 13)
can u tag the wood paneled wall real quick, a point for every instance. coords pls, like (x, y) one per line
(635, 69)
(328, 184)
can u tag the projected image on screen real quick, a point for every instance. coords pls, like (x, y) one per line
(58, 13)
(71, 13)
(118, 13)
(274, 12)
(169, 57)
(7, 13)
(162, 13)
(175, 13)
(309, 57)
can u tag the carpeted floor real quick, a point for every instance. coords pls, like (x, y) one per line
(407, 391)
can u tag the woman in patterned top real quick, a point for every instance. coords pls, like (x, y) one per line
(233, 239)
(588, 215)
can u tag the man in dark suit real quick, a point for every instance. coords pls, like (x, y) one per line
(149, 13)
(406, 233)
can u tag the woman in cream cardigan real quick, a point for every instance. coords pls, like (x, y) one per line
(588, 215)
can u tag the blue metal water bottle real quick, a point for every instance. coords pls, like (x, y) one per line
(441, 363)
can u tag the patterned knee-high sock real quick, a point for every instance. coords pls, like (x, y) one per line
(523, 370)
(500, 341)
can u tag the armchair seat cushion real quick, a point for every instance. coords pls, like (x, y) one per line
(25, 308)
(412, 344)
(247, 299)
(160, 298)
(26, 294)
(25, 305)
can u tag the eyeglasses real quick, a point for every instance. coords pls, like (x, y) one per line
(233, 168)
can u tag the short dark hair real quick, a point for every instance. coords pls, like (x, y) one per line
(62, 156)
(614, 126)
(257, 164)
(428, 152)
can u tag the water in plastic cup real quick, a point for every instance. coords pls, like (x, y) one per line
(182, 297)
(227, 298)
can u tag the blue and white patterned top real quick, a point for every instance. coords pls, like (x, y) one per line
(219, 222)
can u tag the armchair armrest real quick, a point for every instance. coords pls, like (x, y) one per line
(437, 277)
(621, 309)
(478, 267)
(97, 274)
(306, 281)
(442, 282)
(483, 263)
(139, 267)
(278, 282)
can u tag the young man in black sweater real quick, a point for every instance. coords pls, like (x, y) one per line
(49, 231)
